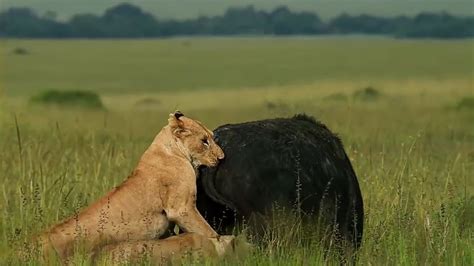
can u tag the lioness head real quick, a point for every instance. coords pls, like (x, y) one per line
(195, 140)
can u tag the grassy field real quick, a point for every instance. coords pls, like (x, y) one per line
(123, 66)
(412, 144)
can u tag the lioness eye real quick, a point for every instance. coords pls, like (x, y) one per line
(205, 142)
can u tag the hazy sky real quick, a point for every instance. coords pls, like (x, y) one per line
(192, 8)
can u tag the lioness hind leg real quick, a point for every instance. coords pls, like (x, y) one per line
(171, 249)
(150, 226)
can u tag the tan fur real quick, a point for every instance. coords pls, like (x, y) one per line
(162, 188)
(172, 249)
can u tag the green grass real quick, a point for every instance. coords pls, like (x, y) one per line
(68, 99)
(117, 66)
(413, 152)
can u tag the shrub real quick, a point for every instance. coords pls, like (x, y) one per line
(367, 94)
(20, 51)
(466, 103)
(337, 97)
(275, 105)
(147, 103)
(77, 99)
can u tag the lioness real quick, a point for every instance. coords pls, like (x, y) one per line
(162, 188)
(164, 251)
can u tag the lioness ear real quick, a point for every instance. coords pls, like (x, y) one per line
(178, 114)
(176, 125)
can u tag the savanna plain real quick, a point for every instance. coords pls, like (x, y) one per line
(404, 110)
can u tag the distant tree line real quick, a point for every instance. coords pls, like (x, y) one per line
(128, 21)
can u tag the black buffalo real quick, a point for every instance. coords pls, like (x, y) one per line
(286, 161)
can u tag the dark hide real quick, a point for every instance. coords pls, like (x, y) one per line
(265, 163)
